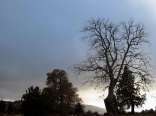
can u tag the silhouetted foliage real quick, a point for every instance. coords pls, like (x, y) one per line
(62, 92)
(114, 46)
(96, 114)
(151, 111)
(2, 106)
(143, 111)
(31, 102)
(50, 106)
(89, 113)
(128, 92)
(79, 109)
(17, 107)
(10, 108)
(58, 98)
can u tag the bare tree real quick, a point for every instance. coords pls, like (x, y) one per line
(111, 48)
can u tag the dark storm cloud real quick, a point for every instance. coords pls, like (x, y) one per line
(39, 36)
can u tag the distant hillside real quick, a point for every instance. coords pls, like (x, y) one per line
(95, 108)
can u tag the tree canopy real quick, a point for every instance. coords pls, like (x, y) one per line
(64, 93)
(79, 108)
(128, 92)
(31, 102)
(2, 106)
(59, 97)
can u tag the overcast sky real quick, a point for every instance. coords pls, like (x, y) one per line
(38, 36)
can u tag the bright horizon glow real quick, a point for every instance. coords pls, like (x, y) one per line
(91, 98)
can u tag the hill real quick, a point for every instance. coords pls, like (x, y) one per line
(95, 108)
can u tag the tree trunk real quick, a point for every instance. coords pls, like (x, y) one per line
(132, 107)
(110, 101)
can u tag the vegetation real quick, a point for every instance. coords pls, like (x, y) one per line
(112, 47)
(31, 102)
(10, 109)
(62, 91)
(79, 109)
(128, 92)
(2, 106)
(59, 97)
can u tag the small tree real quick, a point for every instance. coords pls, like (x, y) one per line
(96, 113)
(114, 46)
(17, 106)
(64, 93)
(10, 108)
(31, 102)
(89, 113)
(2, 106)
(128, 92)
(79, 109)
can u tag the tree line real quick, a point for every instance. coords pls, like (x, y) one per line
(61, 98)
(58, 98)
